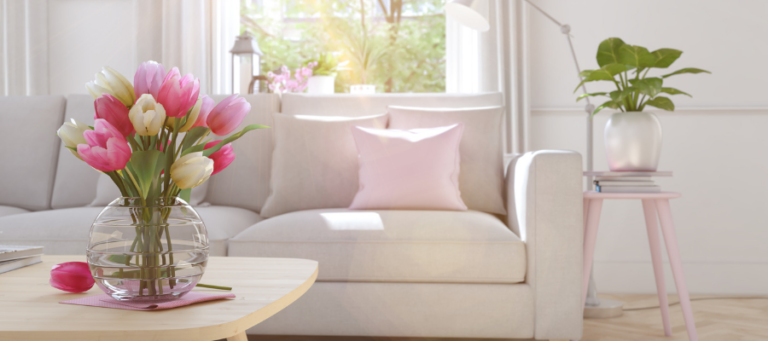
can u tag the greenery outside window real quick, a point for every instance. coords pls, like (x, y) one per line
(397, 45)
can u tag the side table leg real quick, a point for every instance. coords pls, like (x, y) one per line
(590, 239)
(670, 239)
(649, 208)
(239, 337)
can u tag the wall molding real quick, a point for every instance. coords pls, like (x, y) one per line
(702, 277)
(679, 111)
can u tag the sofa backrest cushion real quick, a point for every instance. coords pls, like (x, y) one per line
(75, 184)
(30, 149)
(376, 104)
(245, 183)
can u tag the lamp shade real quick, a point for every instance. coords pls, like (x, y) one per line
(470, 13)
(245, 44)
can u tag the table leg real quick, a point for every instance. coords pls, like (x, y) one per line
(649, 208)
(670, 239)
(239, 337)
(590, 239)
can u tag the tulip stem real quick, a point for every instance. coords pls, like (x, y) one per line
(213, 286)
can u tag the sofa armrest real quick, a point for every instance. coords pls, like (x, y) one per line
(544, 204)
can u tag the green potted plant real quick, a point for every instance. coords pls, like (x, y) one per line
(323, 76)
(633, 135)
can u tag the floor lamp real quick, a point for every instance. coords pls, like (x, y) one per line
(470, 13)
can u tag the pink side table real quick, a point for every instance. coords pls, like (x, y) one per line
(653, 204)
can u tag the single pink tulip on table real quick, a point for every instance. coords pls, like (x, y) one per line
(178, 94)
(107, 150)
(148, 78)
(222, 158)
(72, 277)
(115, 112)
(228, 114)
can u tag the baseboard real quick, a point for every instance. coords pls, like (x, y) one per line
(727, 278)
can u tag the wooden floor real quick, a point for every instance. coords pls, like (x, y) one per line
(716, 320)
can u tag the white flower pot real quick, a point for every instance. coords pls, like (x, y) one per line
(633, 141)
(321, 84)
(362, 89)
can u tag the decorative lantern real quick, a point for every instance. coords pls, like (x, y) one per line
(247, 49)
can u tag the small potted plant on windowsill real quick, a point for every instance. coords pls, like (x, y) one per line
(632, 135)
(323, 74)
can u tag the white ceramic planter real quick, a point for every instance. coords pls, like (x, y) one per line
(633, 141)
(362, 89)
(321, 84)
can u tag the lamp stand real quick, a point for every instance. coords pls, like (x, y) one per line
(595, 307)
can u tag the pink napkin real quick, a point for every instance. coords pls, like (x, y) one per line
(109, 302)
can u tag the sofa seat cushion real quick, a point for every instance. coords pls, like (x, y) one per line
(10, 210)
(65, 231)
(391, 246)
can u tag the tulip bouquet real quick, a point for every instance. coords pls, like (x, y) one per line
(151, 139)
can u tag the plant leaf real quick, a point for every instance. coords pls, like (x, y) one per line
(619, 95)
(208, 152)
(193, 135)
(661, 103)
(185, 194)
(649, 86)
(146, 166)
(608, 51)
(585, 73)
(605, 73)
(636, 56)
(665, 57)
(591, 95)
(195, 148)
(673, 91)
(685, 70)
(608, 104)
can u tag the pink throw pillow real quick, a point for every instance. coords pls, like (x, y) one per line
(409, 169)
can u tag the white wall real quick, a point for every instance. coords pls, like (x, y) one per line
(84, 36)
(715, 143)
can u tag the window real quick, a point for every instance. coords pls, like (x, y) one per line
(397, 45)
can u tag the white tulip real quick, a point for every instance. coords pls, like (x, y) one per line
(147, 116)
(191, 170)
(191, 118)
(71, 133)
(111, 82)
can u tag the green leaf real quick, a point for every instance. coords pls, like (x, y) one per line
(193, 149)
(619, 95)
(193, 135)
(185, 194)
(208, 152)
(673, 91)
(146, 166)
(71, 148)
(608, 51)
(605, 73)
(591, 95)
(636, 56)
(609, 104)
(585, 73)
(661, 103)
(649, 86)
(685, 70)
(665, 57)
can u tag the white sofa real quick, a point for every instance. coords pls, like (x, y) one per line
(382, 273)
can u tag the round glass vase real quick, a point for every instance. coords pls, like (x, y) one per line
(147, 250)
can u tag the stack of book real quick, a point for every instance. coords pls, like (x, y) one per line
(14, 257)
(626, 182)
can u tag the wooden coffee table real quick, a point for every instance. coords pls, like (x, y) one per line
(30, 309)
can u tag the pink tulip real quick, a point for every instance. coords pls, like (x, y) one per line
(205, 109)
(115, 112)
(222, 158)
(228, 114)
(72, 277)
(148, 78)
(107, 150)
(177, 94)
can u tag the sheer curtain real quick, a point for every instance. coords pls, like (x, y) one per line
(194, 35)
(494, 61)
